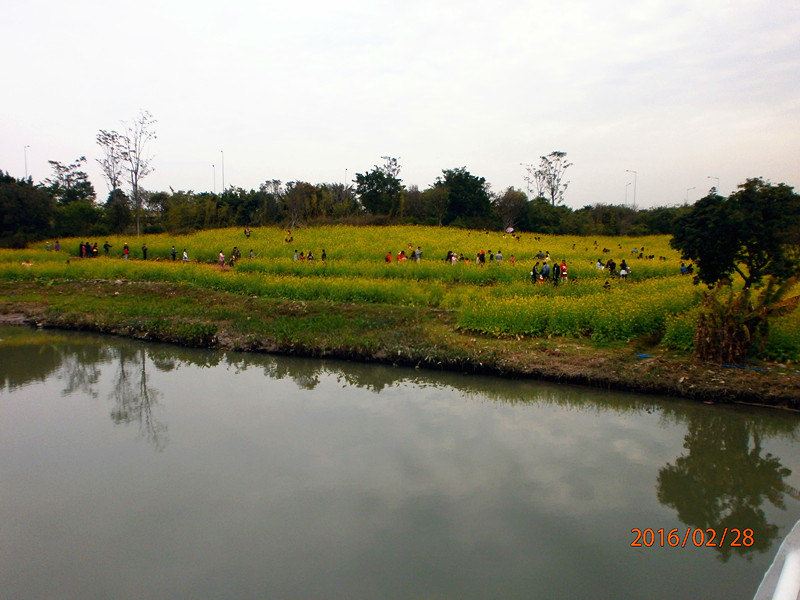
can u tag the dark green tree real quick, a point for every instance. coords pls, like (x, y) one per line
(117, 211)
(26, 211)
(380, 190)
(754, 233)
(468, 199)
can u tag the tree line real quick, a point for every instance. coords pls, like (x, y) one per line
(66, 203)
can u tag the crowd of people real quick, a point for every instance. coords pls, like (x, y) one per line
(544, 270)
(309, 255)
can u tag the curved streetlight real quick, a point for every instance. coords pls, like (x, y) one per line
(635, 178)
(627, 185)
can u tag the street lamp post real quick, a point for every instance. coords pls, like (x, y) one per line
(687, 193)
(25, 150)
(714, 177)
(214, 178)
(627, 185)
(635, 179)
(223, 170)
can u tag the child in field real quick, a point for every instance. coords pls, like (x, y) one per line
(185, 257)
(388, 257)
(563, 270)
(221, 259)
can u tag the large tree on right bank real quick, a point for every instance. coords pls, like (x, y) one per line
(752, 237)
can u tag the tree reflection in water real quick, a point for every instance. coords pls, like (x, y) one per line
(725, 477)
(134, 398)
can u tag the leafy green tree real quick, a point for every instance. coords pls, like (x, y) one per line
(468, 199)
(79, 218)
(300, 202)
(26, 211)
(543, 217)
(755, 233)
(511, 207)
(69, 182)
(117, 211)
(380, 190)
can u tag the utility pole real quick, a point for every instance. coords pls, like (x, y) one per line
(214, 178)
(223, 170)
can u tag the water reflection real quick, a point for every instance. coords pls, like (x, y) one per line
(134, 398)
(723, 478)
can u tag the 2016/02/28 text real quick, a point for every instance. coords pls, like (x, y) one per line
(693, 536)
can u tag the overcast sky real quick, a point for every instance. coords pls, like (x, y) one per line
(678, 91)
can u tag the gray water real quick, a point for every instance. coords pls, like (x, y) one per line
(134, 470)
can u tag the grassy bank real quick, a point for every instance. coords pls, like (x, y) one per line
(633, 334)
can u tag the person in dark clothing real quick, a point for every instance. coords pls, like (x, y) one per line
(106, 247)
(556, 273)
(144, 251)
(173, 254)
(535, 273)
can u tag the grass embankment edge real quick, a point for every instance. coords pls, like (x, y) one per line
(401, 335)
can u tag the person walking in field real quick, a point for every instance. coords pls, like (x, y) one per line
(57, 246)
(324, 255)
(535, 273)
(106, 247)
(545, 272)
(125, 251)
(185, 257)
(221, 258)
(173, 254)
(388, 257)
(564, 270)
(624, 270)
(499, 256)
(144, 251)
(556, 273)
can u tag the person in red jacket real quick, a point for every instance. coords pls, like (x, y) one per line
(563, 269)
(388, 257)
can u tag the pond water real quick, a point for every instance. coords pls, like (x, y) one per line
(135, 470)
